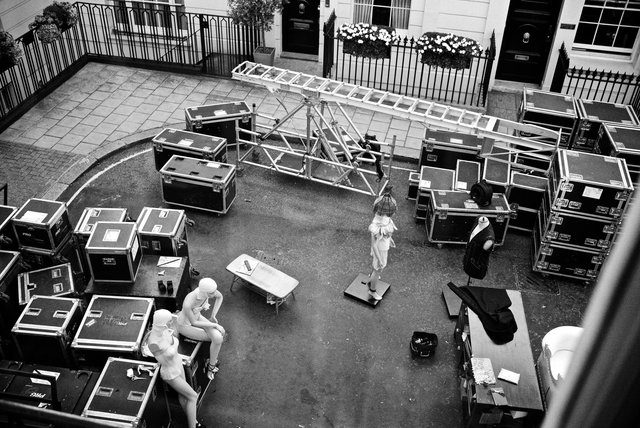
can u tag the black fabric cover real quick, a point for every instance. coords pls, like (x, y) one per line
(476, 258)
(492, 307)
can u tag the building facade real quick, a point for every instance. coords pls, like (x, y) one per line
(600, 34)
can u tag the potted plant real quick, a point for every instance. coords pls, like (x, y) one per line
(10, 52)
(447, 50)
(367, 41)
(55, 18)
(257, 13)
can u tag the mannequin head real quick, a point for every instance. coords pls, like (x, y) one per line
(161, 319)
(207, 287)
(483, 220)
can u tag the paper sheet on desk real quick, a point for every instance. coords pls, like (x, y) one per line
(483, 371)
(242, 267)
(169, 262)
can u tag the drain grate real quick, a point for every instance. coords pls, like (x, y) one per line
(527, 280)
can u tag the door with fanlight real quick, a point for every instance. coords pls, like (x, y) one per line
(301, 26)
(528, 33)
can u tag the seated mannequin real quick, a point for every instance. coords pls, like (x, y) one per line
(163, 344)
(481, 242)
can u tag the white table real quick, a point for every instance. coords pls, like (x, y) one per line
(263, 279)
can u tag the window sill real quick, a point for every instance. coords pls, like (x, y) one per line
(601, 61)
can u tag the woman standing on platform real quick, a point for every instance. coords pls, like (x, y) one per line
(381, 230)
(164, 347)
(192, 324)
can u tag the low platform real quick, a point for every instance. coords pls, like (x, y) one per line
(358, 290)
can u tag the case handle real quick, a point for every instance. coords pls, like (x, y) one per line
(136, 396)
(33, 312)
(137, 316)
(103, 391)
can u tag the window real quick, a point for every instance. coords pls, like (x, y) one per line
(392, 13)
(153, 16)
(608, 26)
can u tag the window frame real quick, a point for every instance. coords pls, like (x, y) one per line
(366, 3)
(603, 49)
(138, 13)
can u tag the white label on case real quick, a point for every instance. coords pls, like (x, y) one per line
(34, 216)
(461, 185)
(220, 113)
(425, 184)
(134, 248)
(44, 372)
(456, 140)
(111, 235)
(185, 143)
(592, 192)
(156, 228)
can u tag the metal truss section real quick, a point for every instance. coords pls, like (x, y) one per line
(521, 140)
(327, 152)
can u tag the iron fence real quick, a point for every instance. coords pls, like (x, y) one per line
(597, 85)
(328, 30)
(403, 73)
(129, 33)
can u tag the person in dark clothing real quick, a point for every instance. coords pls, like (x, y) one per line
(480, 244)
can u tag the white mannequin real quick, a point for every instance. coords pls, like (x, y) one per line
(483, 222)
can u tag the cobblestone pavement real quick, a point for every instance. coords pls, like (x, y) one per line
(103, 108)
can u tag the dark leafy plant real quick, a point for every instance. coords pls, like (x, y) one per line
(447, 50)
(46, 28)
(254, 12)
(368, 41)
(10, 52)
(63, 13)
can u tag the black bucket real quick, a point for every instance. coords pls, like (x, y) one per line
(423, 344)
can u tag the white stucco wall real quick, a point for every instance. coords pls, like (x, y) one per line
(16, 15)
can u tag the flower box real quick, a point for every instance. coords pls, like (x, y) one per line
(264, 55)
(10, 52)
(447, 50)
(367, 41)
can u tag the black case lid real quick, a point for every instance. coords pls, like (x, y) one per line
(218, 111)
(190, 140)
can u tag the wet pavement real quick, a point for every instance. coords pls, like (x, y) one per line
(325, 360)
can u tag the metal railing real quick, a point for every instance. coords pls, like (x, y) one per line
(328, 30)
(403, 73)
(597, 85)
(160, 37)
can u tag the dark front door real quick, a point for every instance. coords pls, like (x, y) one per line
(300, 26)
(530, 27)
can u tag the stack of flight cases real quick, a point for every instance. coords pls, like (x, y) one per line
(111, 326)
(10, 268)
(219, 120)
(54, 281)
(8, 239)
(43, 232)
(621, 142)
(126, 402)
(592, 115)
(163, 232)
(45, 328)
(200, 184)
(171, 142)
(443, 149)
(44, 386)
(113, 252)
(550, 110)
(580, 214)
(451, 215)
(524, 194)
(431, 178)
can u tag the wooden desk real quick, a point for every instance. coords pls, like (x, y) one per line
(515, 355)
(146, 284)
(265, 280)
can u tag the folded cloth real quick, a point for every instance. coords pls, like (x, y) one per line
(492, 307)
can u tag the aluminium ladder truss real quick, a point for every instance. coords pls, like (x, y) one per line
(518, 140)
